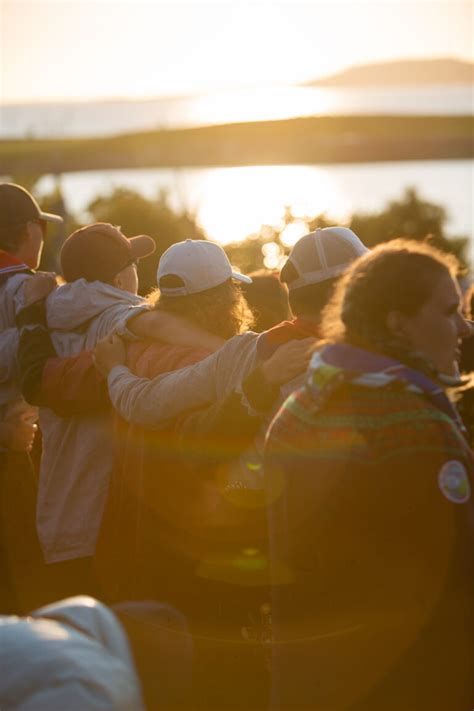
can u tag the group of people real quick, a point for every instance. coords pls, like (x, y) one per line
(297, 501)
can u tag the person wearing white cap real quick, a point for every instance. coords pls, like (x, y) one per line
(199, 264)
(175, 532)
(314, 264)
(311, 271)
(196, 280)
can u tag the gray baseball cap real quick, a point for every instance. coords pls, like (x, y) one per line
(323, 254)
(200, 264)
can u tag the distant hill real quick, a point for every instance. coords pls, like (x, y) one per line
(404, 72)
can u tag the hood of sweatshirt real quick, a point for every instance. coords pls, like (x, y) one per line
(72, 654)
(72, 305)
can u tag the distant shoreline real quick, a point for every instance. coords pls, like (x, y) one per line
(327, 139)
(407, 72)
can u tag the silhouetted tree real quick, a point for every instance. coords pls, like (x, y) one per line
(410, 217)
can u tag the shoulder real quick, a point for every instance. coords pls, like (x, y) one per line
(374, 424)
(12, 287)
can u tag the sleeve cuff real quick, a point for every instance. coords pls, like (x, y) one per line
(116, 372)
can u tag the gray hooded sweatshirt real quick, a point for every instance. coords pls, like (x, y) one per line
(69, 656)
(78, 451)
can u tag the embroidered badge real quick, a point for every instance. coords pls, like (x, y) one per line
(454, 482)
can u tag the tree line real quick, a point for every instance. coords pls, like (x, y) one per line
(410, 215)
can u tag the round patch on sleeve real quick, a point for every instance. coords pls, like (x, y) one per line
(454, 482)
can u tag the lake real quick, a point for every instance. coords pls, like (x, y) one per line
(233, 202)
(111, 117)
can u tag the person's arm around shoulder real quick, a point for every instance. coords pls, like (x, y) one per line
(69, 386)
(153, 403)
(262, 387)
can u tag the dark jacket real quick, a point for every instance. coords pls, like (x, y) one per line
(372, 544)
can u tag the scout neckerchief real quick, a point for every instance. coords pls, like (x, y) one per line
(342, 362)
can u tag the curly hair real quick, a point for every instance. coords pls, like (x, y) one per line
(396, 276)
(222, 310)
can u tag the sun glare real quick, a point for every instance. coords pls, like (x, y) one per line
(264, 104)
(234, 203)
(292, 232)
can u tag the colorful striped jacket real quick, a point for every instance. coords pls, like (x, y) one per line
(371, 516)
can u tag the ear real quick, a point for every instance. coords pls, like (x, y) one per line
(26, 237)
(396, 324)
(26, 249)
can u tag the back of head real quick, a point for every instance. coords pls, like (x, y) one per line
(98, 252)
(197, 265)
(196, 280)
(314, 264)
(17, 208)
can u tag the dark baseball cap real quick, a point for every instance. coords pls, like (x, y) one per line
(18, 206)
(98, 252)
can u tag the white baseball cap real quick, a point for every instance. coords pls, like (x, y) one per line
(200, 264)
(320, 255)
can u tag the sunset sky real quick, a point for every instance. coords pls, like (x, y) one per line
(103, 48)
